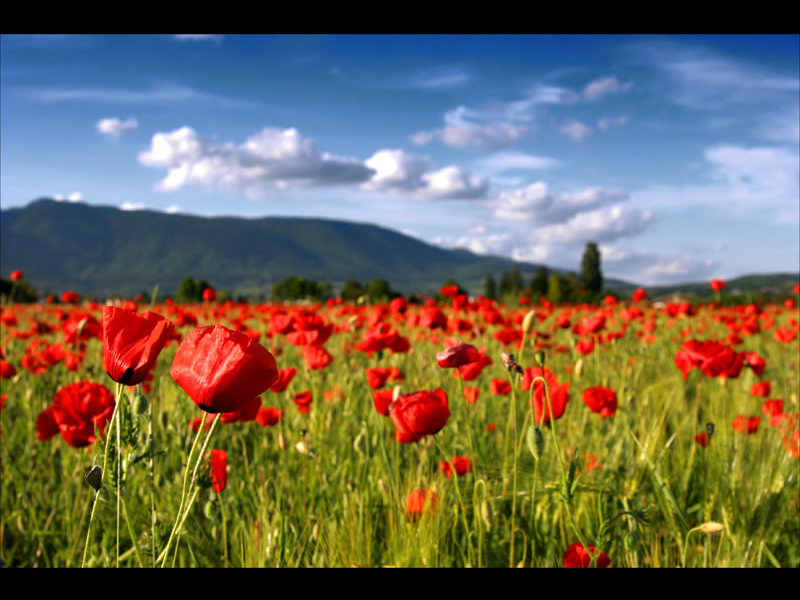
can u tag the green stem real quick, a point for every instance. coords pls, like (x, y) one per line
(183, 492)
(102, 474)
(460, 501)
(130, 532)
(119, 466)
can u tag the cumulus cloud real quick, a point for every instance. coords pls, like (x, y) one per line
(73, 197)
(115, 127)
(132, 206)
(271, 157)
(651, 268)
(575, 130)
(601, 225)
(500, 162)
(461, 130)
(479, 240)
(453, 182)
(396, 170)
(536, 204)
(173, 209)
(603, 87)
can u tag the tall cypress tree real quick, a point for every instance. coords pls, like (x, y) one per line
(539, 283)
(591, 277)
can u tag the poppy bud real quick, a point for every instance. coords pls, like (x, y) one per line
(539, 356)
(535, 440)
(527, 322)
(486, 514)
(578, 368)
(710, 429)
(140, 404)
(631, 541)
(208, 509)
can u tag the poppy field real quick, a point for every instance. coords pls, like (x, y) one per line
(459, 432)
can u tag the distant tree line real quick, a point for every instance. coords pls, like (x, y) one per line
(556, 287)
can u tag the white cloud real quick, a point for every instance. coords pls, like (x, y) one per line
(173, 209)
(603, 87)
(608, 122)
(116, 127)
(198, 37)
(649, 268)
(536, 204)
(453, 182)
(510, 160)
(461, 130)
(156, 95)
(601, 225)
(761, 182)
(73, 197)
(396, 170)
(576, 130)
(132, 206)
(700, 78)
(270, 157)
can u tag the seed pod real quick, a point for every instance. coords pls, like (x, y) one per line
(710, 429)
(94, 477)
(631, 541)
(535, 440)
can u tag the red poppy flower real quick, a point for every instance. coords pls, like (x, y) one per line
(75, 411)
(285, 377)
(755, 362)
(471, 394)
(559, 394)
(457, 356)
(762, 388)
(639, 295)
(774, 410)
(472, 371)
(70, 298)
(585, 346)
(7, 370)
(462, 464)
(784, 335)
(491, 427)
(132, 343)
(712, 358)
(376, 378)
(420, 414)
(267, 417)
(449, 291)
(316, 358)
(576, 557)
(601, 400)
(382, 399)
(303, 401)
(419, 501)
(218, 469)
(16, 275)
(222, 369)
(245, 413)
(747, 425)
(499, 387)
(702, 438)
(796, 288)
(209, 294)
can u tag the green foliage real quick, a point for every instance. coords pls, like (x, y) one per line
(17, 291)
(191, 290)
(490, 288)
(379, 290)
(591, 278)
(300, 288)
(539, 283)
(352, 290)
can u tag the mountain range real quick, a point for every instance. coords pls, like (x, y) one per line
(102, 250)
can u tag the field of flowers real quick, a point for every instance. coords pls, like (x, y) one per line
(455, 433)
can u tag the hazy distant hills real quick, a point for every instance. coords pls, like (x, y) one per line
(102, 250)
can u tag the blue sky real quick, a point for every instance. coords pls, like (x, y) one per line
(678, 155)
